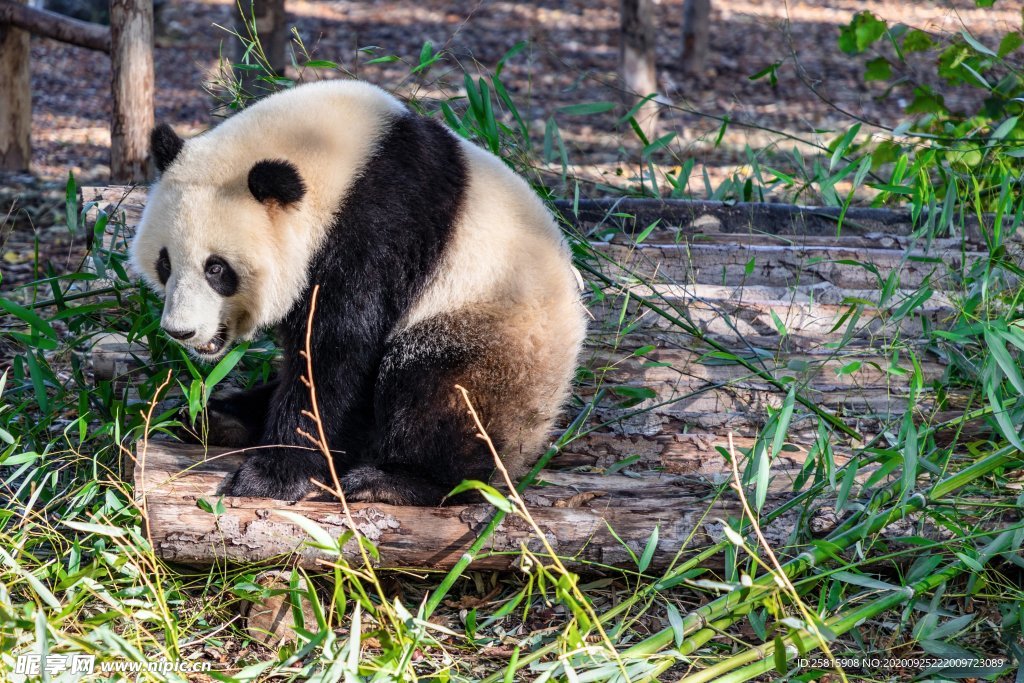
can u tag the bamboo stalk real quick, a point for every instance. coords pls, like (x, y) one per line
(717, 608)
(711, 619)
(730, 671)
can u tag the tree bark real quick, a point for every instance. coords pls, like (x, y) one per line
(574, 510)
(577, 513)
(56, 26)
(131, 29)
(15, 99)
(637, 61)
(696, 29)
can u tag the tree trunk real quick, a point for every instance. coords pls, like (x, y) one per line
(637, 60)
(131, 60)
(15, 100)
(696, 27)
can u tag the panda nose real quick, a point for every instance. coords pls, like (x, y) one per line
(180, 335)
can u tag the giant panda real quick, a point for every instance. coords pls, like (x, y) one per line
(437, 266)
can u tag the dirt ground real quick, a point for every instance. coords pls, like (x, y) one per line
(572, 58)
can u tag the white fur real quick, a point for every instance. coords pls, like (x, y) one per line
(509, 256)
(507, 253)
(202, 205)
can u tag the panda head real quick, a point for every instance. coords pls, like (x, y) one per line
(214, 240)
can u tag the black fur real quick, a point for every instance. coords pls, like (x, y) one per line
(221, 276)
(237, 418)
(165, 145)
(276, 181)
(386, 241)
(163, 266)
(425, 440)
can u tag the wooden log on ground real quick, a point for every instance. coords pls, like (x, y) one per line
(694, 217)
(574, 510)
(48, 24)
(802, 317)
(789, 265)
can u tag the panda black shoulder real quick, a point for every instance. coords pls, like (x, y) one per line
(390, 231)
(410, 191)
(426, 155)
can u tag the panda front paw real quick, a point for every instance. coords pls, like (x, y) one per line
(280, 476)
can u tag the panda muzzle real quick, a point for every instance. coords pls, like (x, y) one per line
(214, 345)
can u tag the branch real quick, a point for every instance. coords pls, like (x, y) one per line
(48, 24)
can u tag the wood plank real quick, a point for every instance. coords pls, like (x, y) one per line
(696, 217)
(849, 267)
(742, 317)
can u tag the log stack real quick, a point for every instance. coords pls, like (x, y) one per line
(835, 310)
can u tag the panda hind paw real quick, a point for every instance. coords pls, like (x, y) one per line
(259, 477)
(369, 484)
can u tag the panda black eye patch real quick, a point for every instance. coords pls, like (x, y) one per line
(221, 276)
(163, 266)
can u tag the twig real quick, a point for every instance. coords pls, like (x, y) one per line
(321, 442)
(779, 573)
(525, 514)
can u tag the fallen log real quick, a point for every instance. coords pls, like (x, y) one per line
(632, 216)
(577, 513)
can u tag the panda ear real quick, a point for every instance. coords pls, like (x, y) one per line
(165, 145)
(276, 181)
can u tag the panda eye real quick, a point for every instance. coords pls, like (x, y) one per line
(163, 266)
(221, 276)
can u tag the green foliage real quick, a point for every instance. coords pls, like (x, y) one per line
(77, 573)
(945, 149)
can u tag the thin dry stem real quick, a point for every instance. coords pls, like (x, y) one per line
(525, 514)
(779, 573)
(141, 500)
(321, 443)
(140, 461)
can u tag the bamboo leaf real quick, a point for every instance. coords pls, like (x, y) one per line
(222, 368)
(1003, 359)
(973, 42)
(490, 494)
(100, 529)
(587, 108)
(1002, 418)
(781, 665)
(29, 317)
(675, 621)
(648, 554)
(317, 533)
